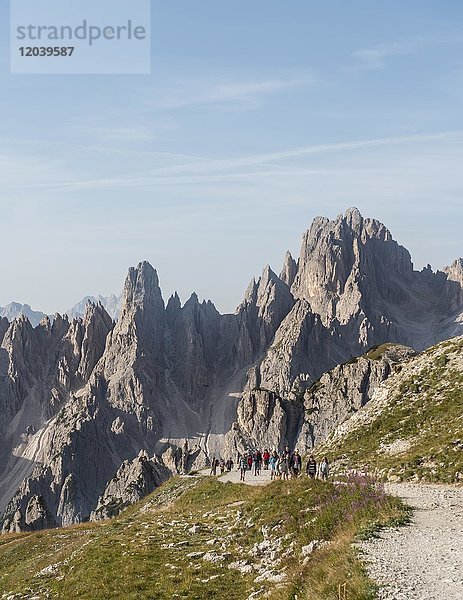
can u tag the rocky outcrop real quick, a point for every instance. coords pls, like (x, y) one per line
(35, 517)
(289, 271)
(133, 480)
(41, 370)
(304, 418)
(341, 392)
(4, 324)
(264, 420)
(266, 303)
(454, 286)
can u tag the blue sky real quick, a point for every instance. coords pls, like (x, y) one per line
(257, 117)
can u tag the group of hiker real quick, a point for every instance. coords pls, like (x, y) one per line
(222, 465)
(283, 465)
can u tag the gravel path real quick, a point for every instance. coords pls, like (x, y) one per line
(234, 477)
(423, 561)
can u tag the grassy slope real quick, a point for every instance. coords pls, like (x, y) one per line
(424, 412)
(144, 552)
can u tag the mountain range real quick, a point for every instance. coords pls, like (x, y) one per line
(85, 401)
(13, 310)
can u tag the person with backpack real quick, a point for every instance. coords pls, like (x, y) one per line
(311, 468)
(324, 469)
(243, 467)
(249, 460)
(257, 462)
(283, 466)
(214, 465)
(222, 466)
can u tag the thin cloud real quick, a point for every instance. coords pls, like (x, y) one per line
(375, 57)
(203, 171)
(226, 94)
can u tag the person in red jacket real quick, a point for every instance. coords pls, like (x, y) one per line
(266, 457)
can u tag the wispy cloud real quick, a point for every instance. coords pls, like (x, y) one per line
(237, 94)
(375, 57)
(193, 170)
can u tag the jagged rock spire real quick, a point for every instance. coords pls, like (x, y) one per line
(289, 271)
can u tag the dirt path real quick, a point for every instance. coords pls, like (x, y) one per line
(234, 477)
(423, 561)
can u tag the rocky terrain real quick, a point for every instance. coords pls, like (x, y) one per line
(425, 560)
(81, 398)
(412, 428)
(197, 538)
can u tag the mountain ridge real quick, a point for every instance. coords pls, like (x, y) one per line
(185, 383)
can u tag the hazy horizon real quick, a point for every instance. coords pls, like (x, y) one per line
(185, 295)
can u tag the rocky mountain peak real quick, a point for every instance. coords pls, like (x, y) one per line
(268, 276)
(455, 271)
(453, 291)
(265, 305)
(139, 328)
(173, 306)
(346, 263)
(60, 325)
(94, 313)
(4, 325)
(141, 289)
(288, 273)
(354, 219)
(19, 331)
(192, 302)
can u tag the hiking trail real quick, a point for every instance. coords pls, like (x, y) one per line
(424, 560)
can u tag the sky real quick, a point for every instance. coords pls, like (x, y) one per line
(257, 117)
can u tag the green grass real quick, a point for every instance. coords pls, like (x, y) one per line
(143, 553)
(427, 415)
(377, 352)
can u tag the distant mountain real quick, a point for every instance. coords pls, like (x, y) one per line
(111, 303)
(14, 310)
(80, 397)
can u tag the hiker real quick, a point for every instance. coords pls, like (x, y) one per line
(296, 464)
(273, 462)
(249, 460)
(266, 457)
(229, 465)
(214, 464)
(243, 467)
(283, 466)
(311, 468)
(257, 462)
(324, 469)
(222, 466)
